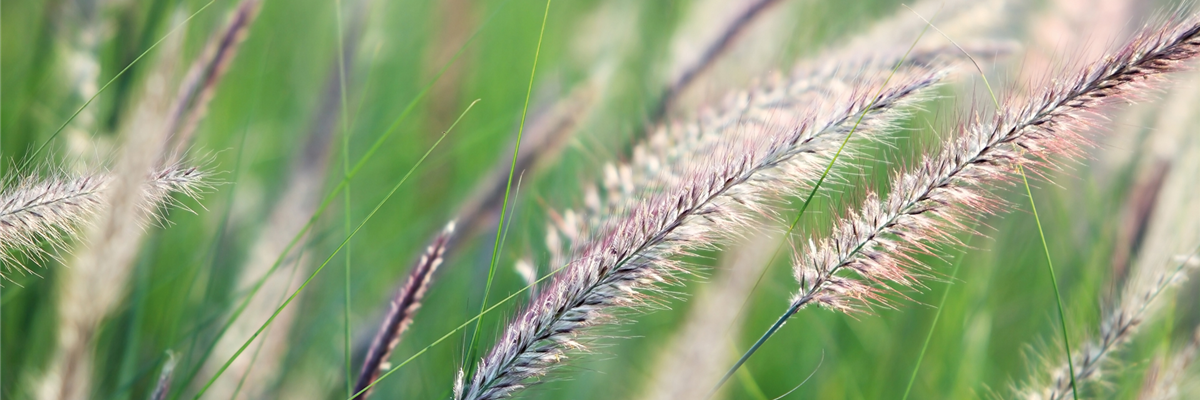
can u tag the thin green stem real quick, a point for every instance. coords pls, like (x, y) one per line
(1054, 281)
(331, 256)
(504, 205)
(341, 60)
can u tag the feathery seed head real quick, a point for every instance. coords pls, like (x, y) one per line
(931, 203)
(752, 156)
(47, 212)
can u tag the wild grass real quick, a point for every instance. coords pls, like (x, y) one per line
(639, 258)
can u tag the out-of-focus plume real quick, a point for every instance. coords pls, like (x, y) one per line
(696, 51)
(1151, 157)
(728, 185)
(543, 137)
(401, 311)
(972, 23)
(163, 386)
(1166, 378)
(200, 83)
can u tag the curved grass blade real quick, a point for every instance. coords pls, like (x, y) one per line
(470, 354)
(1062, 315)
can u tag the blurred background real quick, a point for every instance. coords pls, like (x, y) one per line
(283, 117)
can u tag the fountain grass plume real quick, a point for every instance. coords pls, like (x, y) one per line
(662, 159)
(759, 161)
(872, 253)
(40, 213)
(936, 200)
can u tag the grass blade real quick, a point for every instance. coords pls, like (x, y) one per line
(470, 355)
(336, 190)
(1062, 315)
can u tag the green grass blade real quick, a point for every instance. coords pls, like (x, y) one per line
(1062, 315)
(341, 60)
(470, 355)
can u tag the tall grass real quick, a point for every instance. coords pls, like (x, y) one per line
(164, 224)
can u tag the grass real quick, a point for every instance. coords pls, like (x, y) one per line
(420, 65)
(1062, 315)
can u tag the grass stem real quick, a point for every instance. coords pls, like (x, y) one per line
(1053, 281)
(470, 355)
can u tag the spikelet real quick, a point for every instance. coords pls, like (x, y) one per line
(758, 160)
(662, 158)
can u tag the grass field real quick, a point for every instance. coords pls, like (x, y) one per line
(425, 109)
